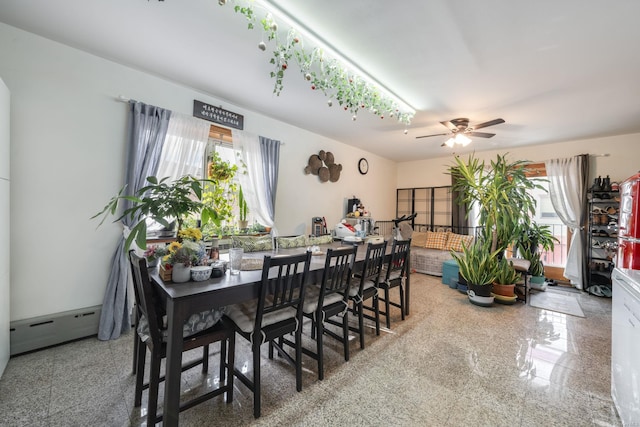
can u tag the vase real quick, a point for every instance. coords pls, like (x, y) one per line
(152, 262)
(181, 273)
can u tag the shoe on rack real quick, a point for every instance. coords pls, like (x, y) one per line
(595, 290)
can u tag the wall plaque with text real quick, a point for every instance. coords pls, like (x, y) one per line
(217, 115)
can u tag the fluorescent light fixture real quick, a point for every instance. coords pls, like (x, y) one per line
(278, 12)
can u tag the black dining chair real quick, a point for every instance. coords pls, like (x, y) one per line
(199, 330)
(365, 288)
(394, 275)
(327, 301)
(276, 312)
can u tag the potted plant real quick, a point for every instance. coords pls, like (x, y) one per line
(154, 254)
(477, 265)
(243, 210)
(506, 278)
(502, 194)
(181, 257)
(536, 270)
(534, 236)
(219, 193)
(163, 202)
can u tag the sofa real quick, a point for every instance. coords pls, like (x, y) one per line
(430, 249)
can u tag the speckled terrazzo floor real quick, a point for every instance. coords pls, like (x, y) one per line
(448, 364)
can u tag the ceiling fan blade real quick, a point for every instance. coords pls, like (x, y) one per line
(437, 134)
(481, 134)
(449, 125)
(487, 124)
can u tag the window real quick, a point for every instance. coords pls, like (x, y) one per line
(546, 215)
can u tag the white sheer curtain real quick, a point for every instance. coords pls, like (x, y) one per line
(568, 192)
(184, 146)
(253, 183)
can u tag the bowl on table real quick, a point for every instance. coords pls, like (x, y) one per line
(200, 273)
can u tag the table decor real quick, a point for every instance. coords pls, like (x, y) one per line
(200, 272)
(181, 257)
(154, 254)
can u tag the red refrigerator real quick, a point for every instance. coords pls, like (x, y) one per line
(629, 224)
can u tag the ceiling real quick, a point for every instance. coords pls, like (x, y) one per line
(553, 70)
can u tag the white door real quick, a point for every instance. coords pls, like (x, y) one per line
(4, 227)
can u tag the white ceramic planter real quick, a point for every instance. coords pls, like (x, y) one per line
(180, 273)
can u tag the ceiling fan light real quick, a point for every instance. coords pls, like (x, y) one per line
(462, 140)
(449, 142)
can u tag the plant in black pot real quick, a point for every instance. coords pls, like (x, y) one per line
(477, 265)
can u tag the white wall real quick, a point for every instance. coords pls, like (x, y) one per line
(623, 160)
(67, 157)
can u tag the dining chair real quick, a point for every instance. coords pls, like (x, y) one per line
(200, 330)
(328, 300)
(366, 288)
(275, 313)
(394, 276)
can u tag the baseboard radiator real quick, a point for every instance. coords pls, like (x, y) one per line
(44, 331)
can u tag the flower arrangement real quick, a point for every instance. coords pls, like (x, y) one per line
(188, 253)
(192, 234)
(155, 252)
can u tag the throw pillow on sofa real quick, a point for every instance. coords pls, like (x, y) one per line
(437, 240)
(418, 239)
(457, 241)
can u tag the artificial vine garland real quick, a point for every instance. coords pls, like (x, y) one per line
(323, 73)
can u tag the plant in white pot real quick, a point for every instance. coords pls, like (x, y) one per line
(477, 265)
(181, 257)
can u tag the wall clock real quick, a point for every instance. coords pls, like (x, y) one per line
(363, 166)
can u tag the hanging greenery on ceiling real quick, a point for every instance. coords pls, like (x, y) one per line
(322, 72)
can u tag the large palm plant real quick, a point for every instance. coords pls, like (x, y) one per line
(502, 193)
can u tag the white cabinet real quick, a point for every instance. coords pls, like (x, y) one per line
(625, 345)
(4, 227)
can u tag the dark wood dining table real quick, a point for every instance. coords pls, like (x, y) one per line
(184, 299)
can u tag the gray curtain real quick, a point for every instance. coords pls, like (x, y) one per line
(270, 150)
(146, 132)
(568, 183)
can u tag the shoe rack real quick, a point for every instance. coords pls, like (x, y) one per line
(604, 206)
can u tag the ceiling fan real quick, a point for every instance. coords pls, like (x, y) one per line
(460, 131)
